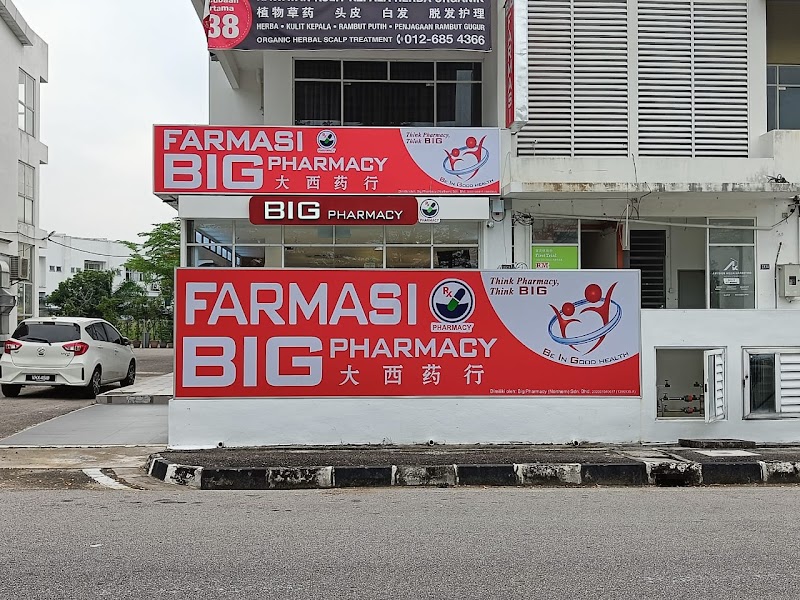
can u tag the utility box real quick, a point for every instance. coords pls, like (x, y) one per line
(789, 281)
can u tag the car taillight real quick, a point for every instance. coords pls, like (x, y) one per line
(77, 348)
(11, 345)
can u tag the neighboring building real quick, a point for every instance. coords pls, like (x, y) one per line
(67, 255)
(23, 69)
(661, 136)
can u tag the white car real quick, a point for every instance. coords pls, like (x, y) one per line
(62, 351)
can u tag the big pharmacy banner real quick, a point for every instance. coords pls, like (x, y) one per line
(202, 159)
(348, 24)
(257, 333)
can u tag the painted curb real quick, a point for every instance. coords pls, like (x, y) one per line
(637, 473)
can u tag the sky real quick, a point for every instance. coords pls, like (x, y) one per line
(116, 68)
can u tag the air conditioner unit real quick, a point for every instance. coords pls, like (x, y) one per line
(20, 268)
(155, 287)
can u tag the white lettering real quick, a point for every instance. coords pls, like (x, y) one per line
(236, 311)
(192, 361)
(312, 363)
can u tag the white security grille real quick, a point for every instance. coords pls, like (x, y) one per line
(790, 382)
(692, 74)
(578, 78)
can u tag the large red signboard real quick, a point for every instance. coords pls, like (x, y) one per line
(199, 159)
(257, 333)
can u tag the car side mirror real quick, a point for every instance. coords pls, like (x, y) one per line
(126, 342)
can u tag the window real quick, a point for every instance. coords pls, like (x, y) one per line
(27, 102)
(379, 93)
(783, 97)
(446, 245)
(25, 295)
(94, 265)
(111, 333)
(52, 269)
(52, 332)
(772, 382)
(555, 244)
(75, 270)
(731, 261)
(26, 193)
(97, 332)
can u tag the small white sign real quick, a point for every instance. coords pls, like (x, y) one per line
(718, 453)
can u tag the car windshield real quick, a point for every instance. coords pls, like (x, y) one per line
(47, 332)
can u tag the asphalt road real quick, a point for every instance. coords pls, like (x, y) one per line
(35, 405)
(619, 544)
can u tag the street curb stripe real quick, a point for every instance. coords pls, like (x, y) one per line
(634, 473)
(105, 480)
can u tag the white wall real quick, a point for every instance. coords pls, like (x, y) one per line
(68, 253)
(31, 55)
(248, 422)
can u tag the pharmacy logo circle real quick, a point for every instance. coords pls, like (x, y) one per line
(326, 140)
(452, 301)
(429, 208)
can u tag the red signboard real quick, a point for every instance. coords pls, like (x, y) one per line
(350, 161)
(334, 210)
(258, 333)
(510, 111)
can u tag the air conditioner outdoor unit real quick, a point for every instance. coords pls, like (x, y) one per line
(20, 268)
(155, 287)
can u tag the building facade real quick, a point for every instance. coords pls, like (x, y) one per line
(22, 154)
(658, 136)
(67, 255)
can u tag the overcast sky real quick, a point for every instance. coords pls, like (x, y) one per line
(116, 68)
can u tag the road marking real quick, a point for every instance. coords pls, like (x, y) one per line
(105, 480)
(726, 453)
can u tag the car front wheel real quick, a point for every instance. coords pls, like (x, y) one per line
(10, 390)
(131, 376)
(92, 389)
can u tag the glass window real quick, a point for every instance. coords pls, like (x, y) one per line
(358, 257)
(304, 234)
(788, 107)
(96, 332)
(315, 257)
(367, 234)
(732, 278)
(411, 71)
(458, 104)
(366, 70)
(399, 257)
(731, 236)
(381, 93)
(26, 102)
(25, 193)
(51, 332)
(211, 255)
(258, 256)
(112, 334)
(317, 69)
(762, 383)
(388, 104)
(555, 231)
(789, 75)
(783, 97)
(454, 71)
(455, 258)
(411, 234)
(205, 231)
(247, 233)
(456, 232)
(318, 103)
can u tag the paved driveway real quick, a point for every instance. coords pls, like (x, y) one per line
(99, 425)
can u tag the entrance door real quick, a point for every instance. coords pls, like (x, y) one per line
(714, 388)
(691, 288)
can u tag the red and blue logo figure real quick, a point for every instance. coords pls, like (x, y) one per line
(465, 161)
(609, 310)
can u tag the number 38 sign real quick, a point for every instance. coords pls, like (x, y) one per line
(348, 24)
